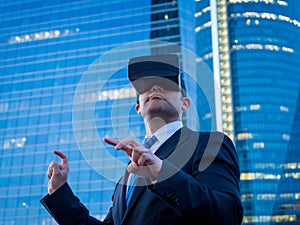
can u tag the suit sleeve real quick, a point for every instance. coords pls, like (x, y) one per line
(206, 194)
(67, 209)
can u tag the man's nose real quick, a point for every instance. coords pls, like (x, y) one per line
(157, 88)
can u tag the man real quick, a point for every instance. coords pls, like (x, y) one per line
(184, 177)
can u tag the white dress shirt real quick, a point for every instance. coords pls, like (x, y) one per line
(164, 133)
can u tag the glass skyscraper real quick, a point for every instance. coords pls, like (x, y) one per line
(50, 54)
(259, 50)
(46, 48)
(264, 51)
(63, 86)
(255, 50)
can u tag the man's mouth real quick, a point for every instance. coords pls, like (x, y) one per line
(155, 97)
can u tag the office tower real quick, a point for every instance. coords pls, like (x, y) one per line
(46, 48)
(49, 48)
(259, 48)
(50, 53)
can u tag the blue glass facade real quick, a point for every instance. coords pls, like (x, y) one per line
(52, 88)
(264, 54)
(258, 47)
(48, 48)
(45, 49)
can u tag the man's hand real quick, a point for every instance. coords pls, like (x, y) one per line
(57, 173)
(144, 163)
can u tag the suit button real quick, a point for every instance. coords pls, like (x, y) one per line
(175, 199)
(172, 196)
(168, 194)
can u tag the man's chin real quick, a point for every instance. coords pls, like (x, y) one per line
(166, 114)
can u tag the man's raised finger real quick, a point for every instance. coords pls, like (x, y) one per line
(63, 157)
(118, 145)
(111, 141)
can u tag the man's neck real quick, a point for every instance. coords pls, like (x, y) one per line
(156, 123)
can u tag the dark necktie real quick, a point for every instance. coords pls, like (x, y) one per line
(132, 178)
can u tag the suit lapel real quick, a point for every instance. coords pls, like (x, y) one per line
(119, 197)
(175, 141)
(138, 190)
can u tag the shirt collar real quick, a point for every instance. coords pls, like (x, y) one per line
(165, 132)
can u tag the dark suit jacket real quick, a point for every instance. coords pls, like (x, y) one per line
(198, 184)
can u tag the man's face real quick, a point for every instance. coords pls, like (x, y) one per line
(158, 102)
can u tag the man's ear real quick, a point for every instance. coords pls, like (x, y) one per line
(186, 103)
(137, 108)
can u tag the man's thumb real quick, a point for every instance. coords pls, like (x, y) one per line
(56, 167)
